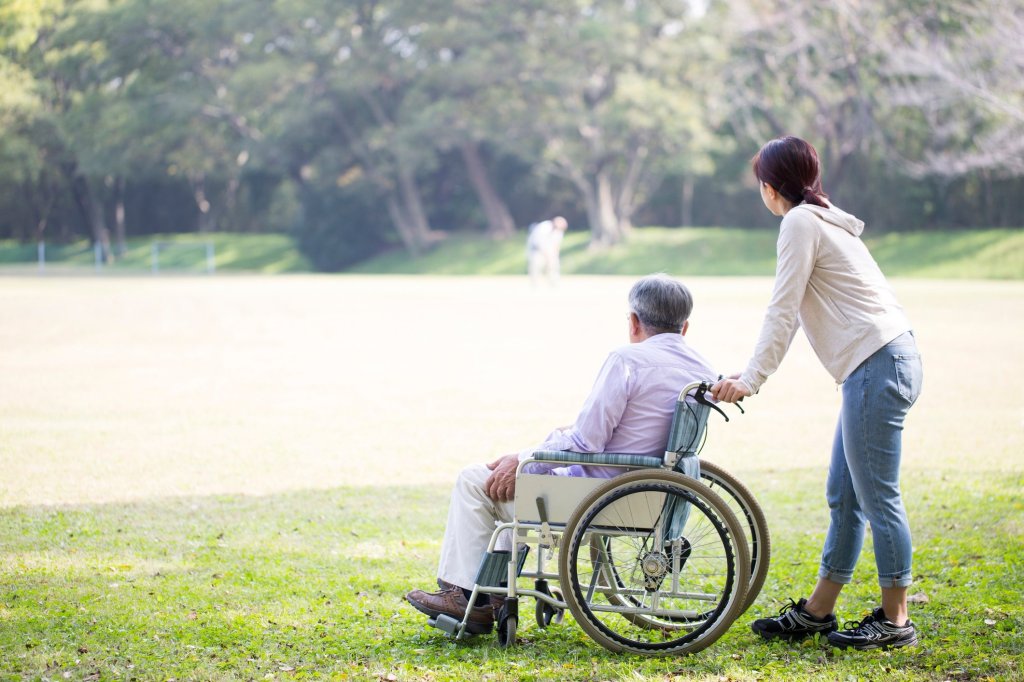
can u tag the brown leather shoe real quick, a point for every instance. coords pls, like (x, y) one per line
(452, 602)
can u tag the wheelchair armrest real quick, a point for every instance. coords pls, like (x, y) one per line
(599, 458)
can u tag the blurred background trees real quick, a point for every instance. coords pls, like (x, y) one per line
(370, 124)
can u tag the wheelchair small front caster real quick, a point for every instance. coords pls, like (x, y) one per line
(508, 621)
(548, 614)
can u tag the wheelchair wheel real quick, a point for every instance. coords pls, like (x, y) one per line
(656, 563)
(744, 505)
(507, 625)
(548, 614)
(755, 526)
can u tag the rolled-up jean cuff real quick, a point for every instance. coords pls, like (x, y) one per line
(898, 580)
(835, 576)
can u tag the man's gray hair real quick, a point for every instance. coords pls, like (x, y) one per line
(662, 304)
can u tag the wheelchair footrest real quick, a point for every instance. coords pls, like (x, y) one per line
(493, 571)
(447, 624)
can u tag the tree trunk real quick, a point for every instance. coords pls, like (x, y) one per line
(412, 208)
(686, 201)
(40, 200)
(604, 226)
(120, 236)
(593, 214)
(404, 205)
(92, 213)
(499, 220)
(625, 203)
(403, 225)
(229, 218)
(417, 234)
(611, 230)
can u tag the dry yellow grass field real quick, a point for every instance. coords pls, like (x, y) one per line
(116, 389)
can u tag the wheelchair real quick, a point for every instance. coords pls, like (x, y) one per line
(658, 560)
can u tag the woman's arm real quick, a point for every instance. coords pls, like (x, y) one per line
(797, 252)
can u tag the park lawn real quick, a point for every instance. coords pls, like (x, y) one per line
(239, 477)
(309, 585)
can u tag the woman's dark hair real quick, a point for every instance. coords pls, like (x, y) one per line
(790, 165)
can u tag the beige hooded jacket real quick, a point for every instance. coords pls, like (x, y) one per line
(827, 283)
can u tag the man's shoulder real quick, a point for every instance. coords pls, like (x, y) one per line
(653, 347)
(663, 350)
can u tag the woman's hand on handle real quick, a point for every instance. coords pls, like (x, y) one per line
(730, 390)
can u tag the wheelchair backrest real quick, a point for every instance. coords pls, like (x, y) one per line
(689, 422)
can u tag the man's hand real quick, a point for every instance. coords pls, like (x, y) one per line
(500, 486)
(730, 390)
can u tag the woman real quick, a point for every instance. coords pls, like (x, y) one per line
(827, 283)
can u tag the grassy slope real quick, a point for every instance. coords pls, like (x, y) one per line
(266, 253)
(978, 254)
(981, 254)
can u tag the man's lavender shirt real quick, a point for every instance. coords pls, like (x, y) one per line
(630, 407)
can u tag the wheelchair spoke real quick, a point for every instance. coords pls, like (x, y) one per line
(653, 566)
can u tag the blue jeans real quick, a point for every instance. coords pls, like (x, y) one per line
(864, 474)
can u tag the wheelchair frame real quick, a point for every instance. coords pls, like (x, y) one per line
(654, 502)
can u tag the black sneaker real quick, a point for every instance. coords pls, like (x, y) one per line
(874, 632)
(793, 623)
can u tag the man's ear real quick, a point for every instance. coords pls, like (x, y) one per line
(686, 325)
(634, 324)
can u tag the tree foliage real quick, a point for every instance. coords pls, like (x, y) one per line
(370, 123)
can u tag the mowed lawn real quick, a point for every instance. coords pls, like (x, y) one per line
(238, 477)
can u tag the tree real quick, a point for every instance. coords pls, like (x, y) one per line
(604, 93)
(462, 84)
(809, 69)
(31, 152)
(954, 93)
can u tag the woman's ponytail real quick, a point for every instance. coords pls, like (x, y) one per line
(811, 197)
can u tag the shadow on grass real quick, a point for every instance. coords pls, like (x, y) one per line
(310, 584)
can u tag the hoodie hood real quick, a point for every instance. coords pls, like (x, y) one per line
(837, 217)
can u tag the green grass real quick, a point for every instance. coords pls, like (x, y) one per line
(265, 253)
(975, 254)
(309, 586)
(980, 254)
(983, 254)
(206, 478)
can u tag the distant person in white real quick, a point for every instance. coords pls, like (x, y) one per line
(542, 249)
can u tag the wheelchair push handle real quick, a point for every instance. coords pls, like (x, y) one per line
(700, 395)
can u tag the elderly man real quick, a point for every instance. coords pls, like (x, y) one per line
(628, 410)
